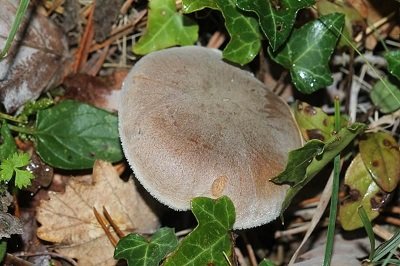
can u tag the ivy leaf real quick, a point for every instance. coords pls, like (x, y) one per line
(266, 262)
(352, 17)
(361, 190)
(137, 250)
(165, 28)
(332, 147)
(8, 146)
(393, 59)
(381, 156)
(245, 42)
(276, 18)
(308, 50)
(386, 95)
(10, 168)
(72, 135)
(211, 240)
(298, 161)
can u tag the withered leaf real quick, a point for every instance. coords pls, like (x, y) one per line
(381, 155)
(361, 191)
(36, 59)
(68, 219)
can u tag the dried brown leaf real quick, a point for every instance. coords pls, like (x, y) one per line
(36, 59)
(68, 219)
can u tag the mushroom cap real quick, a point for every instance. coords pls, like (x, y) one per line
(193, 125)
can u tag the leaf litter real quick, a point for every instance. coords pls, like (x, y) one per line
(67, 219)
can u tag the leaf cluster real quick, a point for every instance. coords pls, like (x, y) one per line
(304, 51)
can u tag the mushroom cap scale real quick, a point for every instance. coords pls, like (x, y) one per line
(193, 125)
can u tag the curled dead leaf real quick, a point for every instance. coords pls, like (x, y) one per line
(36, 59)
(68, 220)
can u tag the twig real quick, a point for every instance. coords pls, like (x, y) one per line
(374, 26)
(326, 194)
(51, 254)
(240, 257)
(10, 259)
(392, 220)
(355, 89)
(125, 7)
(105, 227)
(119, 32)
(216, 40)
(382, 233)
(113, 224)
(183, 232)
(84, 45)
(292, 231)
(250, 251)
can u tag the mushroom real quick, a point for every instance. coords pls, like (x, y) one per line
(193, 125)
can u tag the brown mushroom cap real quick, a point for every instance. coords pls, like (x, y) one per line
(193, 125)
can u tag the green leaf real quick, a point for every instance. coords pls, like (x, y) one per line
(298, 161)
(386, 95)
(245, 42)
(381, 155)
(137, 250)
(3, 250)
(368, 228)
(32, 107)
(266, 262)
(165, 28)
(11, 165)
(387, 246)
(23, 178)
(308, 50)
(72, 135)
(331, 148)
(276, 17)
(393, 59)
(352, 17)
(8, 146)
(361, 190)
(211, 240)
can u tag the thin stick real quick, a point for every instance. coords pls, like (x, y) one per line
(84, 45)
(113, 224)
(250, 251)
(51, 254)
(10, 259)
(105, 228)
(240, 257)
(293, 231)
(334, 197)
(125, 7)
(119, 32)
(392, 220)
(323, 203)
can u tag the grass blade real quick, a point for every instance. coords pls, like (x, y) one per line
(14, 28)
(368, 227)
(335, 196)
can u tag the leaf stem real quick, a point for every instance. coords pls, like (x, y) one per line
(10, 118)
(334, 197)
(24, 130)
